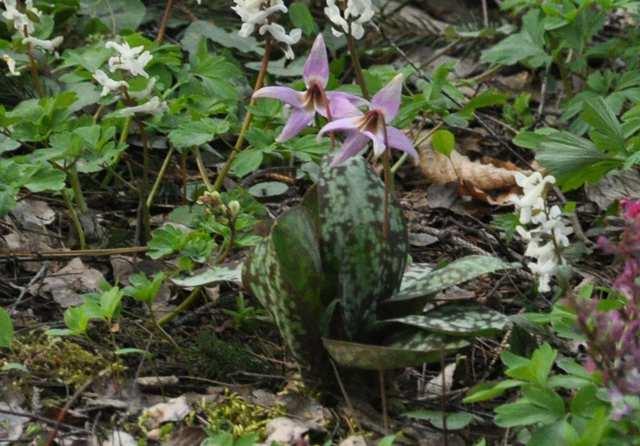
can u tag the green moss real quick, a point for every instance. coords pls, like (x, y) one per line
(216, 358)
(239, 417)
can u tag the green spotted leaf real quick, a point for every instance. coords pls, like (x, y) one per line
(361, 267)
(221, 273)
(458, 321)
(285, 274)
(410, 349)
(421, 280)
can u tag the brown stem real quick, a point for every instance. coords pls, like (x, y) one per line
(386, 163)
(165, 18)
(247, 119)
(357, 68)
(33, 66)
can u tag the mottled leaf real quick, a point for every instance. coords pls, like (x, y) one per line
(421, 280)
(285, 274)
(359, 264)
(397, 355)
(221, 273)
(458, 320)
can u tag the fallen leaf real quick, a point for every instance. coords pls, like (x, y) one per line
(68, 284)
(173, 410)
(488, 180)
(119, 438)
(433, 388)
(613, 187)
(354, 440)
(286, 431)
(11, 426)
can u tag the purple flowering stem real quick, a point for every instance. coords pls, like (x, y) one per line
(386, 163)
(355, 59)
(247, 119)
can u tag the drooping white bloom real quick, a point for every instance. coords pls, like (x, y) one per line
(352, 20)
(47, 45)
(546, 231)
(108, 85)
(254, 13)
(129, 59)
(154, 106)
(280, 34)
(21, 22)
(141, 94)
(11, 64)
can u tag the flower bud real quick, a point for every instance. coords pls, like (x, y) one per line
(234, 208)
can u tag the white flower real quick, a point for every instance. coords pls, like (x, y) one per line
(47, 45)
(11, 64)
(141, 94)
(153, 107)
(547, 231)
(352, 19)
(129, 59)
(21, 21)
(255, 13)
(108, 85)
(280, 34)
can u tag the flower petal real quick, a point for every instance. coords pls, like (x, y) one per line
(284, 94)
(341, 125)
(317, 65)
(388, 99)
(378, 142)
(297, 121)
(340, 107)
(353, 145)
(398, 140)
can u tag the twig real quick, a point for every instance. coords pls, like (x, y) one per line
(485, 13)
(383, 401)
(156, 184)
(202, 169)
(247, 119)
(49, 421)
(66, 253)
(187, 303)
(345, 395)
(23, 291)
(165, 18)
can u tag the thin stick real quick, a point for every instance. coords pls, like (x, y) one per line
(65, 253)
(156, 183)
(345, 395)
(383, 401)
(485, 13)
(247, 119)
(202, 169)
(165, 19)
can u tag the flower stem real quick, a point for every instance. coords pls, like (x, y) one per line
(202, 169)
(33, 66)
(77, 190)
(247, 119)
(74, 219)
(357, 68)
(165, 18)
(156, 184)
(144, 187)
(187, 303)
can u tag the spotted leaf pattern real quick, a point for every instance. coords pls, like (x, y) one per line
(458, 320)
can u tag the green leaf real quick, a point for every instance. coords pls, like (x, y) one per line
(117, 15)
(110, 302)
(222, 273)
(606, 131)
(490, 390)
(228, 39)
(166, 241)
(77, 320)
(268, 189)
(458, 321)
(444, 142)
(454, 420)
(545, 398)
(560, 432)
(142, 288)
(395, 356)
(534, 370)
(301, 18)
(522, 413)
(196, 133)
(246, 162)
(420, 280)
(574, 160)
(361, 267)
(6, 329)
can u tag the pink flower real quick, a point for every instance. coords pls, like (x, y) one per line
(372, 125)
(315, 99)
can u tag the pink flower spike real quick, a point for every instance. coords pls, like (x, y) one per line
(305, 104)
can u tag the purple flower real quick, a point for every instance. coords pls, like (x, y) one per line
(373, 125)
(315, 99)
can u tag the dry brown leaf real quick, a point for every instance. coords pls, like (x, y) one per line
(488, 180)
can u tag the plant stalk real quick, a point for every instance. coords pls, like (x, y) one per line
(247, 119)
(165, 18)
(75, 220)
(74, 179)
(202, 169)
(357, 68)
(33, 66)
(186, 304)
(156, 184)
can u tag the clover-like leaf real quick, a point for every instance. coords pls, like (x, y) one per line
(421, 280)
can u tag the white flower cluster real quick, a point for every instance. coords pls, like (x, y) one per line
(21, 21)
(546, 232)
(352, 19)
(133, 61)
(255, 14)
(11, 64)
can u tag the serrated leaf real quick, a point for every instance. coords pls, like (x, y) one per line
(229, 39)
(360, 266)
(421, 280)
(606, 130)
(196, 133)
(165, 241)
(222, 273)
(116, 15)
(6, 329)
(458, 321)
